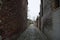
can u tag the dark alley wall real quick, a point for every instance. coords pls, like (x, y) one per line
(13, 18)
(56, 24)
(49, 18)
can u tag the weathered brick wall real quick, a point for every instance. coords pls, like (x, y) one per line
(47, 11)
(56, 24)
(46, 19)
(47, 4)
(13, 17)
(50, 20)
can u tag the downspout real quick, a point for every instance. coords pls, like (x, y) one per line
(42, 28)
(42, 6)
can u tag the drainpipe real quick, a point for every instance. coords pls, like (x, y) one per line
(42, 6)
(42, 28)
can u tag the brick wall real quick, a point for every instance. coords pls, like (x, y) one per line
(13, 17)
(50, 20)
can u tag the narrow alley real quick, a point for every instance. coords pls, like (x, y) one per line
(29, 19)
(32, 33)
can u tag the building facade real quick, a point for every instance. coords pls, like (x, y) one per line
(13, 18)
(50, 24)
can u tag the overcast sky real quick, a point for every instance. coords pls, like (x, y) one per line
(33, 9)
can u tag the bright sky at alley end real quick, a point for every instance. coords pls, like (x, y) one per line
(33, 9)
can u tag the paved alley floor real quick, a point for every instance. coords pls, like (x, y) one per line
(32, 33)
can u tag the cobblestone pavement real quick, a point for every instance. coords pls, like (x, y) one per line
(32, 33)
